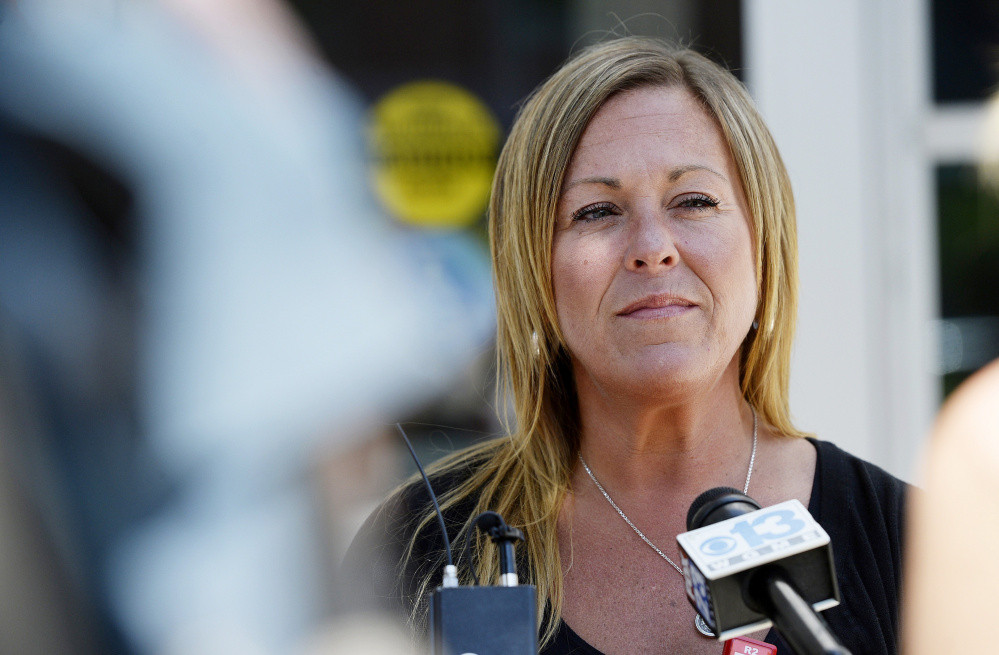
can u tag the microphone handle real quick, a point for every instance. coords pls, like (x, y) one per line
(508, 567)
(800, 625)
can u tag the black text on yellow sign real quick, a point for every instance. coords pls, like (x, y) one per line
(433, 152)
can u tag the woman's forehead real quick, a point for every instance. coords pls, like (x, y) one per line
(661, 128)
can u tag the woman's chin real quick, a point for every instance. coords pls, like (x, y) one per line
(665, 375)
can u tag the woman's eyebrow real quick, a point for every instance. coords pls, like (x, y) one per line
(612, 182)
(680, 171)
(615, 183)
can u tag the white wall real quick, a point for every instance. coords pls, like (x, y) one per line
(844, 86)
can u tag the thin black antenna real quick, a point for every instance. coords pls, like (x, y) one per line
(433, 497)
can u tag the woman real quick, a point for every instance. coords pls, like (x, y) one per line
(643, 241)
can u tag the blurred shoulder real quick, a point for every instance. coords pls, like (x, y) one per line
(972, 411)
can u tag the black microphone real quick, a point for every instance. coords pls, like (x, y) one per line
(486, 620)
(747, 568)
(481, 620)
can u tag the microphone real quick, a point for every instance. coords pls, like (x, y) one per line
(481, 620)
(486, 620)
(747, 568)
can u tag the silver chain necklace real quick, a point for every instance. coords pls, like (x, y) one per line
(699, 623)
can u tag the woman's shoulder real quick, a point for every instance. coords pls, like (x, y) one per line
(413, 498)
(847, 483)
(401, 543)
(862, 508)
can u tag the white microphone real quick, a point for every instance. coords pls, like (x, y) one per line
(747, 568)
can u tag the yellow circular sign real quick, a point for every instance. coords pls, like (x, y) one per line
(433, 153)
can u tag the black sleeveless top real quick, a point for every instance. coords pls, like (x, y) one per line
(860, 505)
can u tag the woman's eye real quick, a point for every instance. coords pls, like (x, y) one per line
(594, 212)
(699, 201)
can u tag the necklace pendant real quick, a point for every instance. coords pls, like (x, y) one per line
(702, 626)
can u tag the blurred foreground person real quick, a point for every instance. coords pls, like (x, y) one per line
(953, 573)
(276, 312)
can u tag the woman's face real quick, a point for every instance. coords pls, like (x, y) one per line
(653, 264)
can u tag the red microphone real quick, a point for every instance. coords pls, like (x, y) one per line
(747, 646)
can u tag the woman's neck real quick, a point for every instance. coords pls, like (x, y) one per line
(666, 444)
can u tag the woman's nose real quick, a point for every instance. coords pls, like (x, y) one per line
(652, 245)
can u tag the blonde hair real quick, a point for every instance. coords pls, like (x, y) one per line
(525, 475)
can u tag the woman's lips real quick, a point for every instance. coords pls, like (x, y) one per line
(653, 307)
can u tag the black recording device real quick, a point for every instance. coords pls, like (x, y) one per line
(747, 567)
(481, 619)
